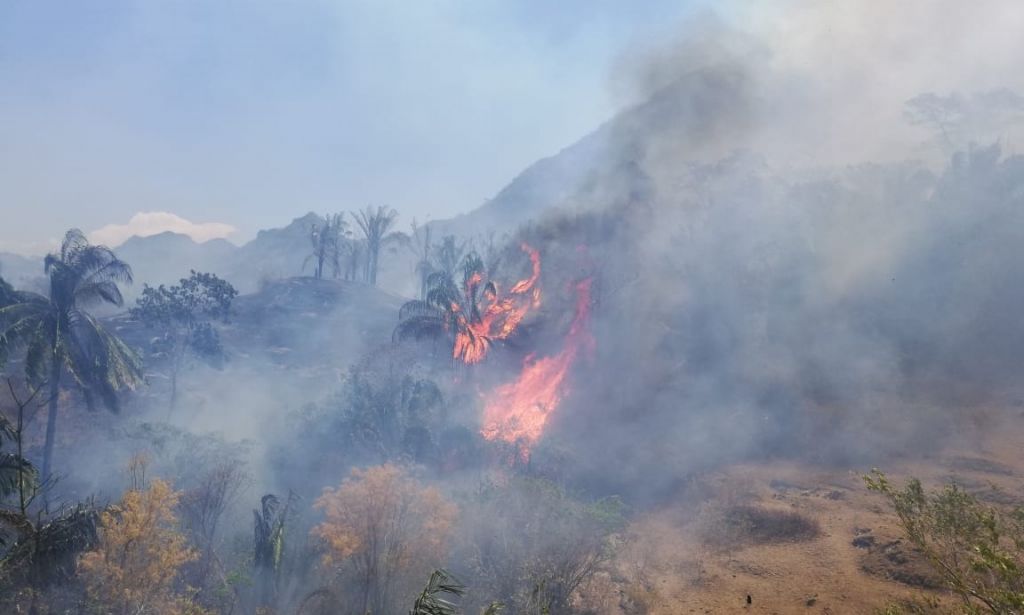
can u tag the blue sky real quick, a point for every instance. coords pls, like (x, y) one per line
(252, 112)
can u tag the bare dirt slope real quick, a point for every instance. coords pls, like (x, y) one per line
(806, 539)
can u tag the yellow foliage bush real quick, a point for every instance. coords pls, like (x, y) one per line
(380, 524)
(135, 564)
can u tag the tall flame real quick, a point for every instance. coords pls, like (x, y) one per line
(499, 319)
(518, 411)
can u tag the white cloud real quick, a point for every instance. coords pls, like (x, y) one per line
(144, 224)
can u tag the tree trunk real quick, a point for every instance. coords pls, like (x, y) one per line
(177, 356)
(371, 263)
(51, 418)
(174, 390)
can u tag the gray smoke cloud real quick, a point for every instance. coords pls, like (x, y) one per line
(797, 254)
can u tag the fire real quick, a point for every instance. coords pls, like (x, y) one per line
(518, 411)
(476, 332)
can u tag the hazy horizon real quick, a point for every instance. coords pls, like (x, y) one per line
(224, 121)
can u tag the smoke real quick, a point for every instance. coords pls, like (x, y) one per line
(786, 264)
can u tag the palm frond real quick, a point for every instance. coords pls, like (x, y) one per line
(100, 362)
(39, 354)
(433, 600)
(443, 296)
(417, 307)
(15, 471)
(101, 291)
(104, 266)
(74, 241)
(419, 327)
(24, 323)
(54, 547)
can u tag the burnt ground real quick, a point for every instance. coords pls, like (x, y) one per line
(796, 538)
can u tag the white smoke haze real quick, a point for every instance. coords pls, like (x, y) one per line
(805, 234)
(827, 82)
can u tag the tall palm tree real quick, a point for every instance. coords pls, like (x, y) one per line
(375, 224)
(448, 255)
(422, 249)
(61, 337)
(327, 241)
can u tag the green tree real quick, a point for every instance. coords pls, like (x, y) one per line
(374, 224)
(977, 549)
(61, 337)
(391, 417)
(184, 314)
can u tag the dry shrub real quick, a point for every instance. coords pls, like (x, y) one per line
(382, 528)
(135, 564)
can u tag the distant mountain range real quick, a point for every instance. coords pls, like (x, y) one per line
(166, 257)
(602, 168)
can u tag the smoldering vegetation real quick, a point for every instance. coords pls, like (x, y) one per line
(318, 446)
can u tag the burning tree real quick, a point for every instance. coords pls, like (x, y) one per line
(518, 411)
(472, 314)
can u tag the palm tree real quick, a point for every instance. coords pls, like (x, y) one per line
(327, 241)
(439, 309)
(451, 310)
(374, 223)
(448, 255)
(62, 338)
(353, 257)
(422, 249)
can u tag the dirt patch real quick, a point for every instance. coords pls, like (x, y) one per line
(897, 561)
(753, 525)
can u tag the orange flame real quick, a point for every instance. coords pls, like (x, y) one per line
(519, 410)
(501, 316)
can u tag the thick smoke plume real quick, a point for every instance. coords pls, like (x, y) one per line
(787, 267)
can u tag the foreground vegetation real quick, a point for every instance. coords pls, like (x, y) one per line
(976, 549)
(176, 540)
